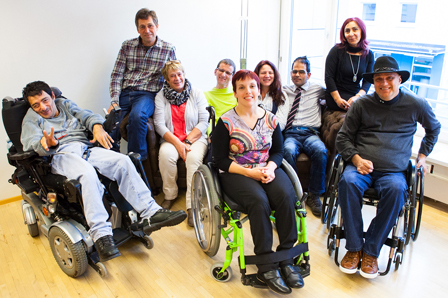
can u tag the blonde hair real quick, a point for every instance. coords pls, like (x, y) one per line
(173, 65)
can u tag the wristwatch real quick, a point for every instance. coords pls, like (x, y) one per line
(188, 142)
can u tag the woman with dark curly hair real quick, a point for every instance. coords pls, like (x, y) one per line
(273, 98)
(346, 62)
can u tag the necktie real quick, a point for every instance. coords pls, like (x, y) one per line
(294, 109)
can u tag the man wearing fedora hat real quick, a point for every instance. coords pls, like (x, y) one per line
(376, 142)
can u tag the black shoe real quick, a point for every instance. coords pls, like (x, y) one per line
(106, 248)
(292, 276)
(313, 201)
(274, 281)
(139, 225)
(164, 218)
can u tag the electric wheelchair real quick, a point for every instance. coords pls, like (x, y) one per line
(407, 225)
(215, 213)
(52, 204)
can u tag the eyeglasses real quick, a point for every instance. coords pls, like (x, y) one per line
(224, 71)
(300, 72)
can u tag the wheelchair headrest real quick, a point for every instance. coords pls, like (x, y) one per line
(13, 112)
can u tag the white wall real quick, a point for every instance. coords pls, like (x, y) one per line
(74, 44)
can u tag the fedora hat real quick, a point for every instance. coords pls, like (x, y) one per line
(385, 64)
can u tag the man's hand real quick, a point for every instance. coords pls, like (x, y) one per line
(48, 140)
(101, 136)
(421, 162)
(363, 166)
(112, 106)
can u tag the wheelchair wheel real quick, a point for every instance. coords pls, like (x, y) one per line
(102, 271)
(71, 257)
(206, 219)
(397, 261)
(148, 242)
(223, 277)
(33, 229)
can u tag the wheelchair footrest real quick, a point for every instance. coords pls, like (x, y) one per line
(305, 269)
(121, 236)
(252, 280)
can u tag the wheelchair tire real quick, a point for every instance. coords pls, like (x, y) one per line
(397, 261)
(206, 219)
(71, 257)
(225, 276)
(148, 242)
(33, 229)
(102, 271)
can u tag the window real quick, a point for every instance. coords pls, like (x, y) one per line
(408, 13)
(368, 11)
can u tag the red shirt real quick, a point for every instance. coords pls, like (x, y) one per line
(178, 117)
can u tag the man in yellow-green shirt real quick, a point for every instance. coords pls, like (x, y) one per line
(221, 97)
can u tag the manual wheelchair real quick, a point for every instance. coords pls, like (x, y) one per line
(407, 225)
(214, 211)
(52, 204)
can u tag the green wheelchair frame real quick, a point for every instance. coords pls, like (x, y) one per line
(214, 212)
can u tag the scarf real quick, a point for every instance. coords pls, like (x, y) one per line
(173, 96)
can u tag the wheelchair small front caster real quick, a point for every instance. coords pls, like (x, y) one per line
(221, 277)
(147, 242)
(101, 269)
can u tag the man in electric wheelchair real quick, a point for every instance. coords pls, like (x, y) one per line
(376, 142)
(58, 127)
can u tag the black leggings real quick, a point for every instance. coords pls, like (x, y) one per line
(258, 199)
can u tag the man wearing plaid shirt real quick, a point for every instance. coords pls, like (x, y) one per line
(137, 78)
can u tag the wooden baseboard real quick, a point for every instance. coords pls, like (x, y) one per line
(10, 200)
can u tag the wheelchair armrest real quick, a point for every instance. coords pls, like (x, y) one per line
(22, 156)
(411, 172)
(292, 175)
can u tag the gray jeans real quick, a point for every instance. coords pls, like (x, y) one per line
(69, 162)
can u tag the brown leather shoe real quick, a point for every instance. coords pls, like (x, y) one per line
(369, 266)
(190, 217)
(350, 262)
(167, 204)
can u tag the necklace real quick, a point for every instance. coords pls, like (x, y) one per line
(355, 75)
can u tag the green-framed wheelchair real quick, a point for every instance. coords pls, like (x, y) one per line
(214, 213)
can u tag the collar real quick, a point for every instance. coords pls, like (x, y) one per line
(390, 102)
(138, 41)
(304, 87)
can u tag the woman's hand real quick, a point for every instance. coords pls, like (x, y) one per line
(343, 104)
(269, 174)
(182, 149)
(256, 173)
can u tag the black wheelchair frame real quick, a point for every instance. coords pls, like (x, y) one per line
(52, 204)
(410, 215)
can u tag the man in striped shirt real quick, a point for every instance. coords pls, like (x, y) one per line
(136, 78)
(301, 132)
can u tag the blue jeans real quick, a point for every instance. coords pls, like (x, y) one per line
(140, 106)
(391, 188)
(68, 162)
(299, 140)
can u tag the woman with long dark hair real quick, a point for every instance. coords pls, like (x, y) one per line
(346, 62)
(273, 98)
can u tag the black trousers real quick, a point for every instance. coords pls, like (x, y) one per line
(258, 199)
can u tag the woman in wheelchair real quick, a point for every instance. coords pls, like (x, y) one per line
(248, 150)
(57, 126)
